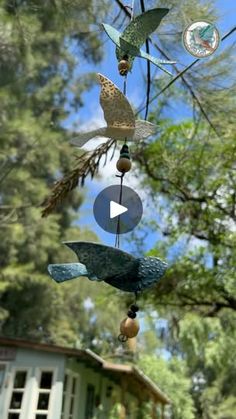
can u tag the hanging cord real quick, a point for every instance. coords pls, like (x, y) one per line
(125, 85)
(123, 165)
(132, 10)
(124, 92)
(117, 242)
(148, 68)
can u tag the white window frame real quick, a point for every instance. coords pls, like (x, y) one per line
(4, 388)
(11, 378)
(67, 395)
(36, 390)
(6, 365)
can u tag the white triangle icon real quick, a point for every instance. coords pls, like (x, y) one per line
(116, 209)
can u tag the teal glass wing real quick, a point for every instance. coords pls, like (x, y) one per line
(113, 34)
(66, 271)
(102, 261)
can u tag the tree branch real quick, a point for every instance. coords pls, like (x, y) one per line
(180, 74)
(148, 69)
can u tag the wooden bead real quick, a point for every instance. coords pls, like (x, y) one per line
(123, 165)
(123, 67)
(132, 344)
(129, 327)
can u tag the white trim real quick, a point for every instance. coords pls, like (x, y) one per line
(68, 395)
(4, 388)
(36, 390)
(9, 385)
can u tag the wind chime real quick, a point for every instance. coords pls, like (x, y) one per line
(96, 261)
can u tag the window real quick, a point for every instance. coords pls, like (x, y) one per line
(44, 393)
(89, 407)
(17, 395)
(70, 396)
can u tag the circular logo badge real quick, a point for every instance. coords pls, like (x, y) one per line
(113, 215)
(201, 39)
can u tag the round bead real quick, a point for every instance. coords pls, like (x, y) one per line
(124, 152)
(131, 314)
(134, 307)
(123, 67)
(123, 165)
(129, 327)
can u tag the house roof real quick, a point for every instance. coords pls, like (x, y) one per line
(133, 375)
(85, 355)
(126, 375)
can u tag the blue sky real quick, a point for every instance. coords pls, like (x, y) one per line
(91, 112)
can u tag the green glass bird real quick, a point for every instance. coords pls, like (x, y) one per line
(129, 42)
(111, 265)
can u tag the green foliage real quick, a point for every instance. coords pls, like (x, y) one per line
(209, 347)
(171, 377)
(189, 173)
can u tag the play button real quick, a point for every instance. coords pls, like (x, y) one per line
(113, 215)
(116, 209)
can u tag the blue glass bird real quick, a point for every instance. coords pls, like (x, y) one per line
(111, 265)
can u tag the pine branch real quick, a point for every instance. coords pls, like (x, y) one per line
(87, 164)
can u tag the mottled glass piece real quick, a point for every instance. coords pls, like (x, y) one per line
(142, 26)
(119, 116)
(117, 110)
(113, 266)
(102, 261)
(66, 271)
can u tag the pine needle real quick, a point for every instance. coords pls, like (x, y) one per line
(87, 164)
